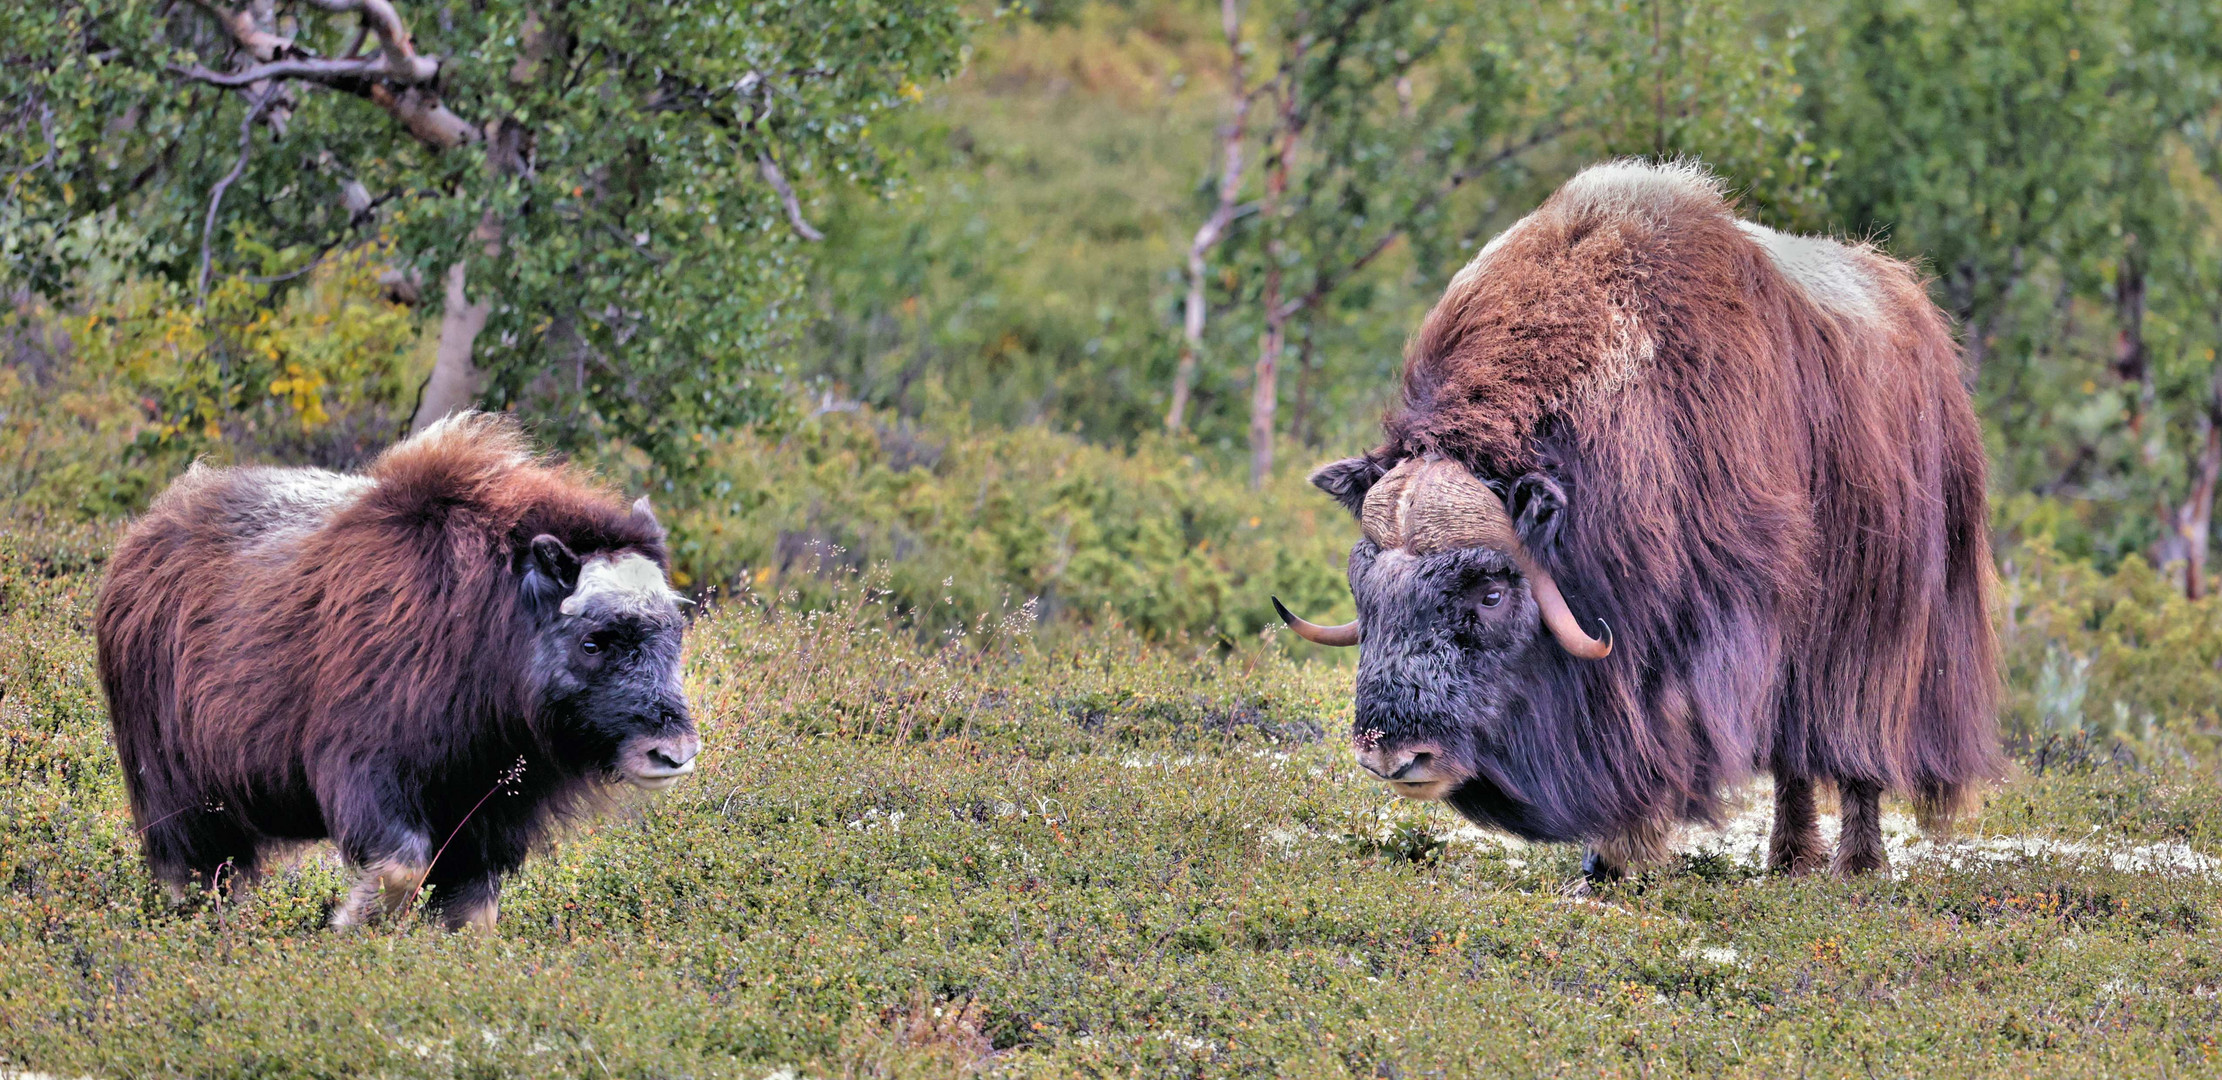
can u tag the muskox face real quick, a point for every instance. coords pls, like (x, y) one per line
(1453, 614)
(606, 662)
(1442, 633)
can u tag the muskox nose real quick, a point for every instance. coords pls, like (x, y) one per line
(675, 754)
(1392, 763)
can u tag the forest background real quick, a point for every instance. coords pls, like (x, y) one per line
(1052, 307)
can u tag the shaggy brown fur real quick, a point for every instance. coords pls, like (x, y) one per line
(291, 654)
(1775, 498)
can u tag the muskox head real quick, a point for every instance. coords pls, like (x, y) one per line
(1453, 614)
(605, 663)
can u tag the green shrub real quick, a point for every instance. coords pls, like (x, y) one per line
(965, 521)
(2121, 654)
(102, 402)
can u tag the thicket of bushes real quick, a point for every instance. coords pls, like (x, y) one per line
(963, 529)
(956, 521)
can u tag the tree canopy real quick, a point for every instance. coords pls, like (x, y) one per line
(613, 188)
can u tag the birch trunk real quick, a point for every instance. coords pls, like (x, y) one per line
(1214, 228)
(454, 384)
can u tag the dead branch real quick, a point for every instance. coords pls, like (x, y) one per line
(307, 69)
(1333, 278)
(420, 111)
(1214, 228)
(769, 169)
(402, 61)
(216, 194)
(259, 43)
(393, 77)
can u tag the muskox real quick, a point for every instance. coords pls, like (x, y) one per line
(1671, 499)
(426, 663)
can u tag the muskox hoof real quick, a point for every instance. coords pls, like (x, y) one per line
(1860, 865)
(384, 890)
(1599, 869)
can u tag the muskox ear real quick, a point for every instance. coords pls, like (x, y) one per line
(551, 571)
(642, 511)
(1347, 480)
(1538, 507)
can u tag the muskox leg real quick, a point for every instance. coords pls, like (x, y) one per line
(1795, 845)
(200, 848)
(1633, 851)
(393, 870)
(385, 888)
(1859, 847)
(472, 904)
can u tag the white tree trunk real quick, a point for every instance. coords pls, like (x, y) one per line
(1214, 228)
(454, 384)
(1265, 398)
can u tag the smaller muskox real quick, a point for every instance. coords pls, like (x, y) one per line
(427, 663)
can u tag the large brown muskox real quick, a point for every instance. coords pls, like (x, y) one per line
(425, 663)
(1736, 477)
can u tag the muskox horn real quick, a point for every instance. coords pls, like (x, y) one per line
(1344, 635)
(1557, 616)
(1432, 503)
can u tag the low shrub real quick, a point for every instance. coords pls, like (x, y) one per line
(2121, 655)
(1162, 539)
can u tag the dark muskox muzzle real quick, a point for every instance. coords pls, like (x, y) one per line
(1432, 504)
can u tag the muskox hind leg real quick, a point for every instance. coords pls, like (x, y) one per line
(1794, 846)
(1859, 846)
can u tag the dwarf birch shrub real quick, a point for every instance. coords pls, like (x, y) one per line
(1159, 539)
(2116, 655)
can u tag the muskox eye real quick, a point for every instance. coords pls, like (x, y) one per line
(1492, 595)
(589, 646)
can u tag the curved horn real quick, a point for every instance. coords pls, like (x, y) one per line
(1560, 618)
(1344, 635)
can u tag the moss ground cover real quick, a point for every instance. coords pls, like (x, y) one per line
(1086, 855)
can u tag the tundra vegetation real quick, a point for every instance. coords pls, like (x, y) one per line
(1009, 766)
(1087, 853)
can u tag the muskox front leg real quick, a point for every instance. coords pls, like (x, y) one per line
(1631, 852)
(1859, 847)
(1794, 847)
(473, 904)
(389, 881)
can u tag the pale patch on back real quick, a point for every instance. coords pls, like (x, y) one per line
(1622, 357)
(631, 582)
(1833, 275)
(279, 507)
(1641, 190)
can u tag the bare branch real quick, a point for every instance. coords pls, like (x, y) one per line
(393, 36)
(420, 111)
(216, 194)
(769, 169)
(395, 67)
(259, 43)
(1331, 280)
(1214, 228)
(310, 69)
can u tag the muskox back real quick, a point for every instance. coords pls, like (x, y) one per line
(293, 654)
(1774, 492)
(211, 541)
